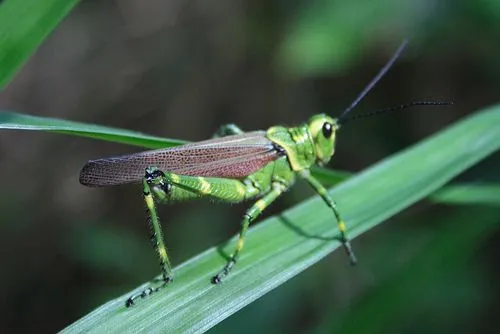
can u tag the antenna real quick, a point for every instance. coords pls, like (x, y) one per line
(395, 108)
(376, 79)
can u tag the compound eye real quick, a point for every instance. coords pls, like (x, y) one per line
(327, 130)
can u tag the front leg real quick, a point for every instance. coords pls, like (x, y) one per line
(318, 187)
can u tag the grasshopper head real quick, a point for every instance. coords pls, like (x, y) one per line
(323, 129)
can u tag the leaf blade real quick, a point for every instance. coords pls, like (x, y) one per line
(17, 121)
(486, 194)
(302, 235)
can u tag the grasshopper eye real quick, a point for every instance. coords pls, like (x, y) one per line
(327, 130)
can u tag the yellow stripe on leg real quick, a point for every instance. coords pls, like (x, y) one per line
(240, 244)
(241, 190)
(174, 177)
(342, 226)
(149, 201)
(204, 185)
(162, 252)
(261, 204)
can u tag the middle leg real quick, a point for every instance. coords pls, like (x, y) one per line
(251, 214)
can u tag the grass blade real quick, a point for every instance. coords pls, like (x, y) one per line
(488, 194)
(17, 121)
(302, 235)
(456, 194)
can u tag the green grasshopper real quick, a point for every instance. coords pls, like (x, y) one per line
(233, 167)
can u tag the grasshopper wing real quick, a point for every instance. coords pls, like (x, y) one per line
(235, 157)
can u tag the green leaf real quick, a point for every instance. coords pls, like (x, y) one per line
(457, 194)
(17, 121)
(281, 247)
(468, 194)
(24, 24)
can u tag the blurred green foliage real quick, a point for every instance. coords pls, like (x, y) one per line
(24, 24)
(180, 69)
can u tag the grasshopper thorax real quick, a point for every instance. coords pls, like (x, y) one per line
(323, 129)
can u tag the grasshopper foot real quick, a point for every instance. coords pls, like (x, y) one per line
(224, 272)
(148, 291)
(348, 250)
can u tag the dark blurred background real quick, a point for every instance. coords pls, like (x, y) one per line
(180, 69)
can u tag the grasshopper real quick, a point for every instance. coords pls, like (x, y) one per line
(233, 167)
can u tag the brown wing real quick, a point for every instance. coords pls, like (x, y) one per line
(229, 157)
